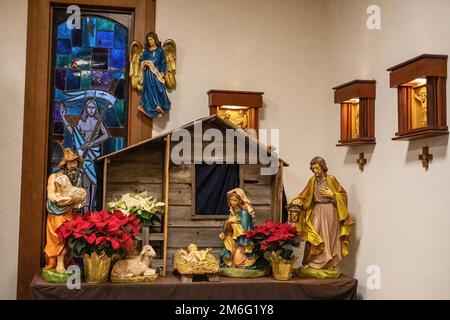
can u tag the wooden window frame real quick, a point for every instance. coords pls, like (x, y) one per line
(36, 121)
(196, 216)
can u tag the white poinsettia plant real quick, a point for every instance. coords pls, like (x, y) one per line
(146, 208)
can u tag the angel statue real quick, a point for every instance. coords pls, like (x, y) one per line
(152, 71)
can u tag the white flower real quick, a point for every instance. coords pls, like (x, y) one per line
(133, 203)
(125, 211)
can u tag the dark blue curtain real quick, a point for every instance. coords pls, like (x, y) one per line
(212, 182)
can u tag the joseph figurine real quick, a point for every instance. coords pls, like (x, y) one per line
(324, 223)
(64, 193)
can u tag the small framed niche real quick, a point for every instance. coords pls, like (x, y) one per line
(421, 87)
(357, 101)
(237, 107)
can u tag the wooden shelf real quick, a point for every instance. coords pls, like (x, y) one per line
(356, 142)
(153, 236)
(421, 134)
(169, 287)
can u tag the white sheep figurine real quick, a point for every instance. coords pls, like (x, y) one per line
(140, 265)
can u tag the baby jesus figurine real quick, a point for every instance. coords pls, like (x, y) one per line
(193, 261)
(193, 254)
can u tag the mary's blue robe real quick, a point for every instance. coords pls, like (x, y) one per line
(234, 236)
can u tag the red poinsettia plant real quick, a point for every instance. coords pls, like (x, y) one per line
(280, 238)
(111, 232)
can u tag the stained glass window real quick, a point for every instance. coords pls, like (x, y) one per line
(90, 93)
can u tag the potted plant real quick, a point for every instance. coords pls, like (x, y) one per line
(276, 241)
(144, 207)
(96, 237)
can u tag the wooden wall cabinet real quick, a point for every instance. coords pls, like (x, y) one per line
(421, 86)
(357, 101)
(237, 107)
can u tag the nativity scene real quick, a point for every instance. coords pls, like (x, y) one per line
(140, 182)
(119, 211)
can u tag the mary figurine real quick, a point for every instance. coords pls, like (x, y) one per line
(237, 249)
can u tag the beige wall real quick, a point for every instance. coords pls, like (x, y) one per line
(13, 30)
(401, 210)
(295, 51)
(254, 45)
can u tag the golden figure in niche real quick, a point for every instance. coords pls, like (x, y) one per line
(237, 117)
(355, 120)
(419, 107)
(242, 120)
(226, 115)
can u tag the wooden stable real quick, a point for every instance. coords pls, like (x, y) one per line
(147, 166)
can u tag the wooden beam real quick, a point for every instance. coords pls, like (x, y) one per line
(32, 212)
(422, 66)
(166, 201)
(105, 180)
(355, 89)
(279, 193)
(238, 98)
(193, 192)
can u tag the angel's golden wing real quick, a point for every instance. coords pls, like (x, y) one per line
(136, 76)
(170, 51)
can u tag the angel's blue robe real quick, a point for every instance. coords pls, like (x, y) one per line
(154, 92)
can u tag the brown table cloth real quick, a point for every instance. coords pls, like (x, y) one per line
(170, 288)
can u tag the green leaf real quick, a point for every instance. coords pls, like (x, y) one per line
(155, 218)
(80, 245)
(145, 214)
(71, 243)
